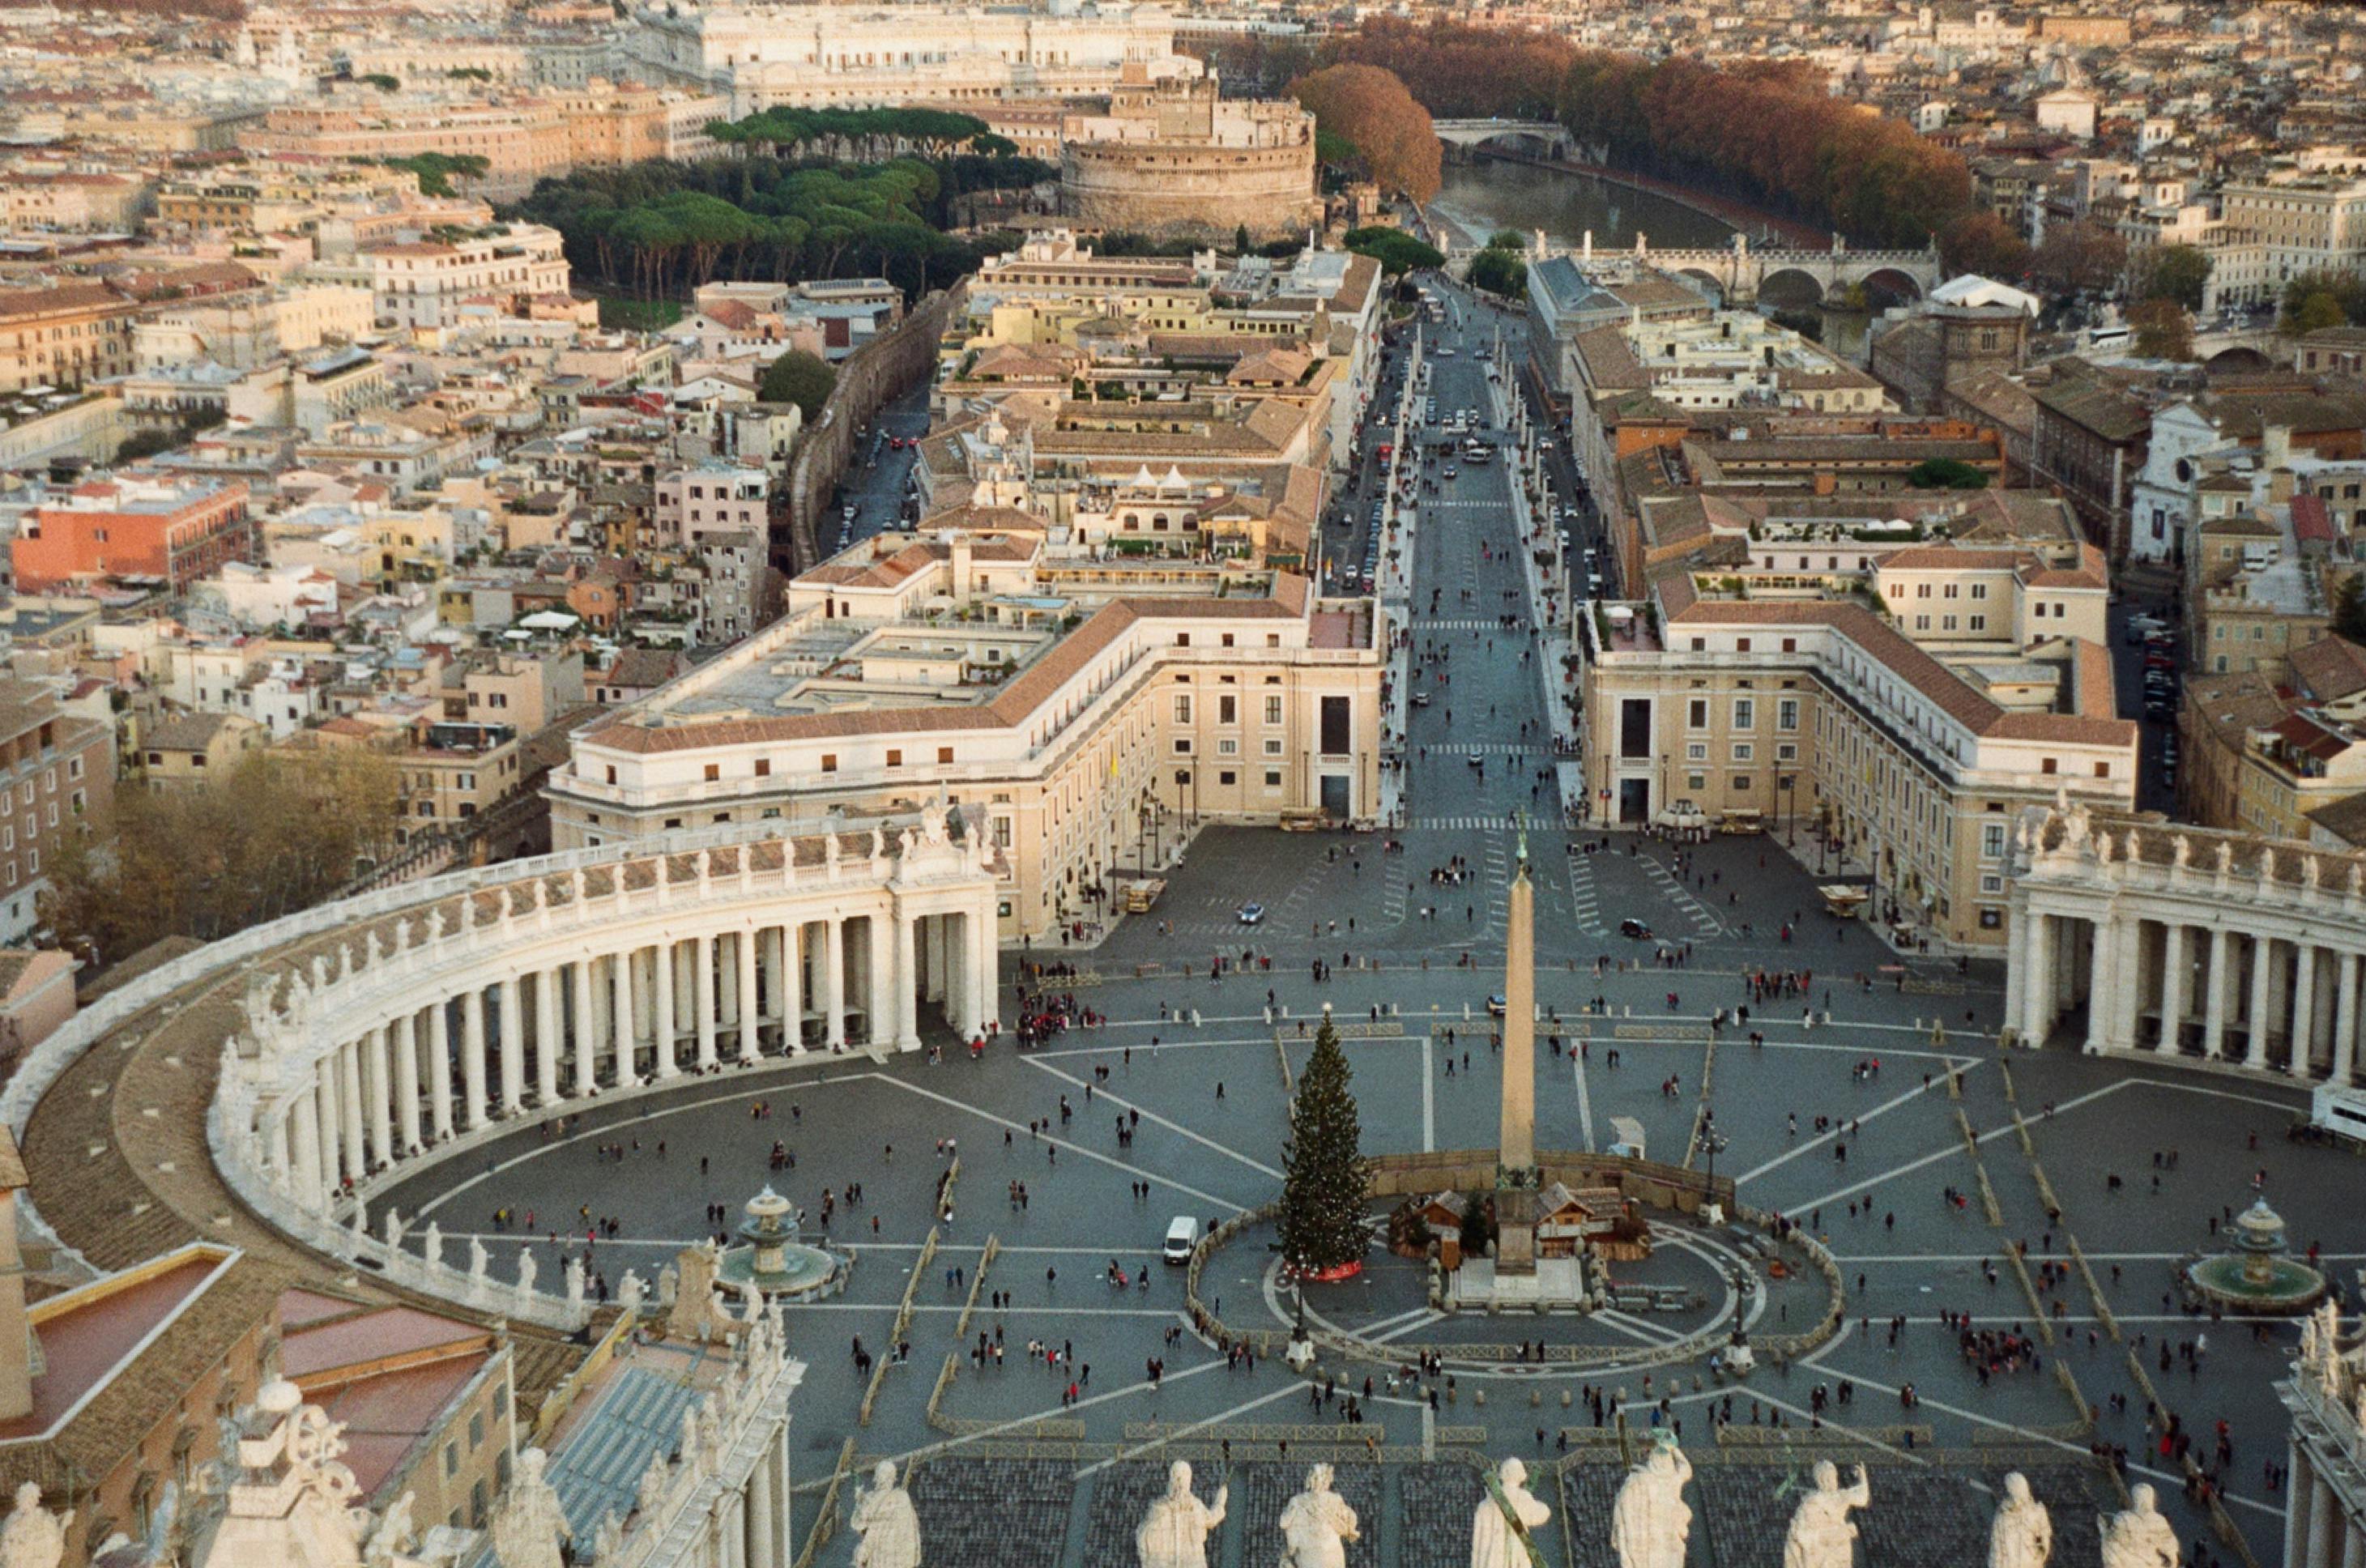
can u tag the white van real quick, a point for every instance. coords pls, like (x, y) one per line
(1182, 1235)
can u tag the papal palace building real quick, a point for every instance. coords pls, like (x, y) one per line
(761, 57)
(1075, 712)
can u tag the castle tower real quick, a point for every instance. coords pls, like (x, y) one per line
(1515, 1158)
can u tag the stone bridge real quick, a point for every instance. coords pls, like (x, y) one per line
(1740, 272)
(1529, 135)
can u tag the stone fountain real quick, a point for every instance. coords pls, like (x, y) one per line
(2254, 1278)
(773, 1257)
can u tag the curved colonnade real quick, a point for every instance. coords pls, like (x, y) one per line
(432, 1019)
(2188, 943)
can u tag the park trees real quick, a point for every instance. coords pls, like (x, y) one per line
(2080, 257)
(1986, 245)
(1324, 1177)
(1368, 109)
(278, 833)
(798, 377)
(1396, 250)
(2163, 330)
(2176, 273)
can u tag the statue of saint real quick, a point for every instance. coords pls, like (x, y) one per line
(2137, 1536)
(2023, 1535)
(33, 1537)
(529, 1526)
(1174, 1534)
(1500, 1525)
(1650, 1520)
(1821, 1535)
(1317, 1525)
(887, 1521)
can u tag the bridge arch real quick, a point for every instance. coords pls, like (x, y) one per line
(1792, 287)
(2240, 358)
(1714, 284)
(1893, 280)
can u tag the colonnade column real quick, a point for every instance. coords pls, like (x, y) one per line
(743, 953)
(439, 1068)
(667, 1067)
(2176, 969)
(406, 1081)
(789, 985)
(702, 998)
(349, 1098)
(311, 1179)
(763, 1533)
(549, 1032)
(2345, 1022)
(904, 979)
(2254, 1048)
(2214, 999)
(324, 1110)
(380, 1045)
(622, 1035)
(2037, 994)
(882, 981)
(2103, 978)
(2304, 1013)
(513, 1047)
(586, 1037)
(833, 983)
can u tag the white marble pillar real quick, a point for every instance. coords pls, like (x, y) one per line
(622, 1029)
(987, 979)
(2298, 1488)
(2127, 1000)
(439, 1068)
(884, 976)
(703, 998)
(406, 1081)
(2215, 1003)
(2254, 1048)
(2176, 969)
(473, 1077)
(663, 967)
(2324, 1520)
(833, 982)
(349, 1101)
(379, 1064)
(759, 1516)
(513, 1047)
(789, 985)
(2037, 998)
(743, 953)
(2103, 978)
(2304, 1024)
(770, 946)
(332, 1135)
(2345, 1023)
(549, 1030)
(586, 1032)
(905, 980)
(312, 1183)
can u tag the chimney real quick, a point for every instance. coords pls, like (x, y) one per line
(961, 564)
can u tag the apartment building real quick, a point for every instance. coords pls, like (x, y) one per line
(1178, 695)
(2312, 222)
(430, 281)
(1904, 714)
(709, 498)
(64, 336)
(57, 775)
(175, 531)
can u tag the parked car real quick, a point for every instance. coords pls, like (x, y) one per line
(1251, 915)
(1630, 927)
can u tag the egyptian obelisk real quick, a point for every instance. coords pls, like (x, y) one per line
(1516, 1156)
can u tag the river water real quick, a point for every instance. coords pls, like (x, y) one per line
(1488, 194)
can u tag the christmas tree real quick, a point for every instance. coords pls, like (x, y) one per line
(1323, 1177)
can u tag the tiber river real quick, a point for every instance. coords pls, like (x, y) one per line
(1489, 194)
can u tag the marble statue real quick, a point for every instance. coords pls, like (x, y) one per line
(434, 1245)
(653, 1486)
(751, 1300)
(529, 1526)
(1317, 1525)
(527, 1269)
(393, 1535)
(2023, 1534)
(1820, 1534)
(631, 1291)
(33, 1537)
(1500, 1525)
(1174, 1534)
(575, 1283)
(884, 1519)
(391, 1223)
(2137, 1536)
(1649, 1521)
(609, 1539)
(477, 1258)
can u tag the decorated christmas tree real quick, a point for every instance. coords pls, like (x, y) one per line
(1323, 1228)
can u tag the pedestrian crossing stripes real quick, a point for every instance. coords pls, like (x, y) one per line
(1464, 824)
(1703, 920)
(1457, 623)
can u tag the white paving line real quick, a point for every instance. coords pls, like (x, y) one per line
(1955, 1147)
(1820, 1140)
(1428, 1097)
(1584, 1098)
(1093, 1093)
(1094, 1155)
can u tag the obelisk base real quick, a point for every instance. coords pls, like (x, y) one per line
(1516, 1231)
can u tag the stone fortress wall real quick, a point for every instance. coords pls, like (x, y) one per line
(1171, 156)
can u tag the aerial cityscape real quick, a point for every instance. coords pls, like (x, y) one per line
(1652, 715)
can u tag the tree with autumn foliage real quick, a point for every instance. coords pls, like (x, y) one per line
(2163, 330)
(1461, 70)
(1983, 244)
(2080, 257)
(1368, 109)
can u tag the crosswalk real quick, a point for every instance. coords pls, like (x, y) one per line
(1457, 624)
(1483, 823)
(1584, 895)
(1703, 919)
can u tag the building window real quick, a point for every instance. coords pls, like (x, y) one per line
(1745, 713)
(1273, 710)
(1991, 841)
(1226, 776)
(1696, 751)
(1786, 713)
(1696, 714)
(1696, 783)
(1183, 709)
(1743, 751)
(829, 762)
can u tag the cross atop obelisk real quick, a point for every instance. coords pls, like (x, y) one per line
(1515, 1158)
